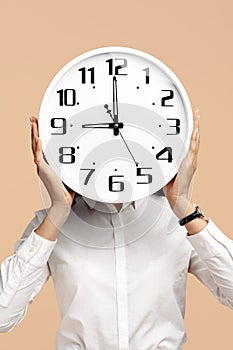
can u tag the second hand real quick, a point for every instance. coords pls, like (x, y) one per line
(109, 112)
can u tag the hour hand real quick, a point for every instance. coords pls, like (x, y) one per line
(103, 125)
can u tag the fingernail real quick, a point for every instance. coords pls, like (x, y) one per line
(31, 120)
(196, 130)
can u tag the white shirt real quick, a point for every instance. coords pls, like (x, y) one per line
(120, 277)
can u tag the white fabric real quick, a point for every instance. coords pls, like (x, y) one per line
(120, 277)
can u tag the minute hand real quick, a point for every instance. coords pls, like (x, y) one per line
(115, 105)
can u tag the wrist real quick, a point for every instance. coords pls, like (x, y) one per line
(194, 220)
(195, 226)
(58, 214)
(53, 221)
(182, 207)
(61, 206)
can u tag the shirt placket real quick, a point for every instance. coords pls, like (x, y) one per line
(121, 283)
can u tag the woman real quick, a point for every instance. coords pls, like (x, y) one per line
(119, 270)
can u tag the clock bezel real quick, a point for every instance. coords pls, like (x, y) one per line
(128, 50)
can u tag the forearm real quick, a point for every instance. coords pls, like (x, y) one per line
(213, 264)
(20, 289)
(22, 275)
(212, 261)
(53, 221)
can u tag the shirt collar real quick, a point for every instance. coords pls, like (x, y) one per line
(108, 207)
(101, 228)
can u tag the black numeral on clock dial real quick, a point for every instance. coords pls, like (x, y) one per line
(59, 124)
(67, 97)
(167, 98)
(115, 186)
(168, 151)
(84, 74)
(66, 155)
(147, 70)
(90, 172)
(115, 70)
(148, 179)
(176, 126)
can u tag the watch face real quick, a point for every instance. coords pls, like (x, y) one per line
(115, 124)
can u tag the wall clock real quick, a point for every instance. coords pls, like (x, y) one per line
(115, 124)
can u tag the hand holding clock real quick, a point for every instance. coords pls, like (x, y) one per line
(178, 191)
(61, 196)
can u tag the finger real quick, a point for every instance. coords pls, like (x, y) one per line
(194, 142)
(196, 118)
(195, 137)
(35, 124)
(34, 132)
(194, 148)
(33, 141)
(35, 137)
(38, 151)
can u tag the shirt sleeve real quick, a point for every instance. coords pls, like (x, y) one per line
(23, 274)
(212, 261)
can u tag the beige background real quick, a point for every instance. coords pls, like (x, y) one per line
(192, 38)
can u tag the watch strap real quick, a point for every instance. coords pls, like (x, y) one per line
(196, 214)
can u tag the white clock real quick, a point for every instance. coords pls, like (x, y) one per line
(115, 124)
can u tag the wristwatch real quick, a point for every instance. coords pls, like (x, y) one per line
(198, 213)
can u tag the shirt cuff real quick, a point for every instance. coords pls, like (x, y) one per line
(210, 241)
(36, 249)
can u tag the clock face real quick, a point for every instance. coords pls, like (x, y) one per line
(115, 124)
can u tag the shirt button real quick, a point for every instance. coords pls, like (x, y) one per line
(31, 249)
